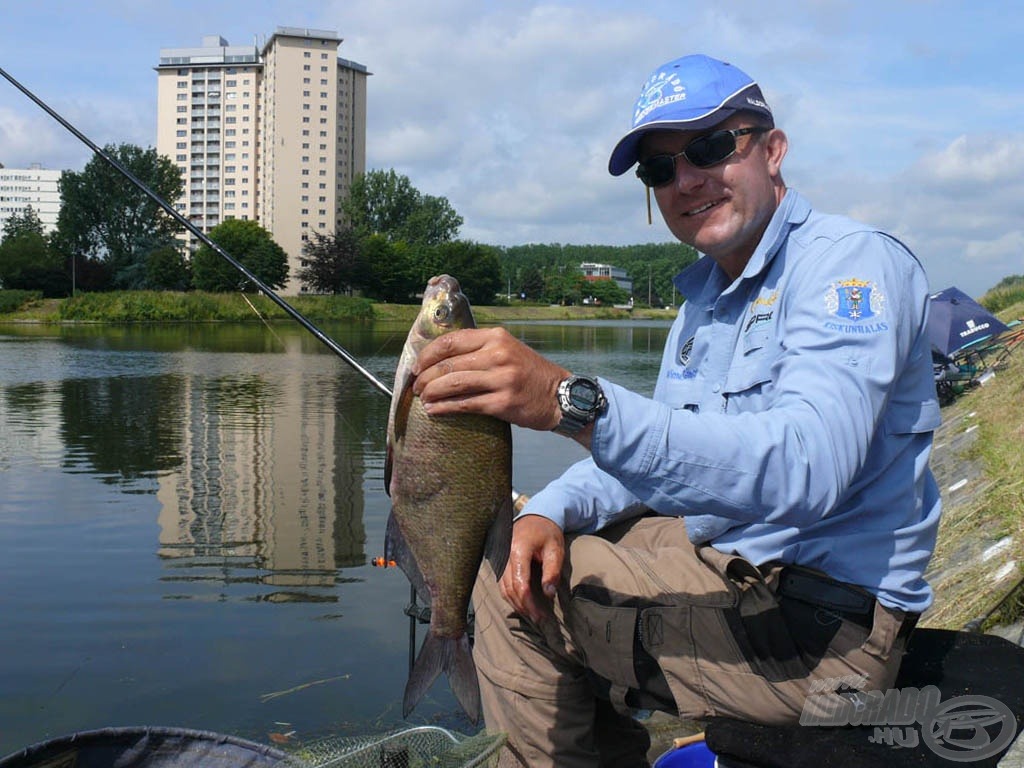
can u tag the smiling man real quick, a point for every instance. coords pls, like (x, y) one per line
(758, 530)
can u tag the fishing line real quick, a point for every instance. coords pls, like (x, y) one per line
(519, 500)
(263, 319)
(170, 210)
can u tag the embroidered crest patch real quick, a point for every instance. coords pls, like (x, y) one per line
(854, 300)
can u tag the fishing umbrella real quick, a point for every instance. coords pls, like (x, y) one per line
(956, 320)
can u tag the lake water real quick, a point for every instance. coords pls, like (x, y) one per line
(187, 520)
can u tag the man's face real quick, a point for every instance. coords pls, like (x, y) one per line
(723, 210)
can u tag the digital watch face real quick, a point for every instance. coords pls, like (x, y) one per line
(583, 396)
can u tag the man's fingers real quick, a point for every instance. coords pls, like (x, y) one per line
(551, 570)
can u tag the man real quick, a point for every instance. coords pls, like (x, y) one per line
(759, 529)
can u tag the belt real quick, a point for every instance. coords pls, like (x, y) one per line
(847, 601)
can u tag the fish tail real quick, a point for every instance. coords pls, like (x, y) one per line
(453, 656)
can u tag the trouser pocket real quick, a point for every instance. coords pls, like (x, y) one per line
(610, 638)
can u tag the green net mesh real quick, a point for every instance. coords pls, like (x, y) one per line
(409, 748)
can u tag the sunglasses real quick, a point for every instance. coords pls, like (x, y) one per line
(702, 152)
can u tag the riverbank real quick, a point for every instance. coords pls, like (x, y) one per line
(198, 307)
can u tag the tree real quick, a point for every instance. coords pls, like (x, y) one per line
(565, 285)
(332, 263)
(248, 243)
(26, 259)
(105, 217)
(385, 203)
(392, 274)
(475, 266)
(606, 292)
(167, 269)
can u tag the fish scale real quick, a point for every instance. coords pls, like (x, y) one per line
(450, 481)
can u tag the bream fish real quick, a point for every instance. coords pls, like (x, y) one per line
(450, 482)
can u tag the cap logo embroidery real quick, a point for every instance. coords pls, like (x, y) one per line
(661, 89)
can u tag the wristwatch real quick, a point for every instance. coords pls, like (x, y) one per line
(581, 401)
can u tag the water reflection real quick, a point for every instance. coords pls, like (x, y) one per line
(187, 514)
(272, 484)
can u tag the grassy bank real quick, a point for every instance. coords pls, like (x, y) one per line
(192, 307)
(196, 307)
(976, 560)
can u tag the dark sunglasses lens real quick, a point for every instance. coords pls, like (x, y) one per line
(709, 150)
(657, 170)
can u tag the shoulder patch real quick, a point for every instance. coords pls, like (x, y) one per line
(856, 301)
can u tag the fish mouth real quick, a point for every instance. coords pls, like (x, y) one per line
(705, 207)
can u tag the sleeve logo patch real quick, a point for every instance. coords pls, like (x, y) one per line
(854, 300)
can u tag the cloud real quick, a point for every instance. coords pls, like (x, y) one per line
(896, 113)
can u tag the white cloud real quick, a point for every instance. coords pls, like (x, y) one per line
(897, 113)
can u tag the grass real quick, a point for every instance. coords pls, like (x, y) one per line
(996, 411)
(196, 306)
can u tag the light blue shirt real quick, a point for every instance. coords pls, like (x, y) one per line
(793, 415)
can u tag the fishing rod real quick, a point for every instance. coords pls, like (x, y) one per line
(519, 500)
(263, 287)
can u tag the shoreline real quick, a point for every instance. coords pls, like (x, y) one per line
(122, 307)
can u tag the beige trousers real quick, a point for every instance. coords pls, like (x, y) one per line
(643, 619)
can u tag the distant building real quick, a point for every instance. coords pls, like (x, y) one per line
(273, 134)
(608, 272)
(34, 186)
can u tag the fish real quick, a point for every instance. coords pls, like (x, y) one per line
(450, 482)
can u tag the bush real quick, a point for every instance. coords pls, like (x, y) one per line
(13, 300)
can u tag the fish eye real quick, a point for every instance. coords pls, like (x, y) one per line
(441, 313)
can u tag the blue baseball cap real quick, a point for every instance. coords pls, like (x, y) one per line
(688, 94)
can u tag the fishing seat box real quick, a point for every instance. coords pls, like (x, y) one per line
(959, 664)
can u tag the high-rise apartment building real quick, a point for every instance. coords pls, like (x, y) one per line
(274, 134)
(35, 186)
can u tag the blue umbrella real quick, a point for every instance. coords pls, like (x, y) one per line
(956, 320)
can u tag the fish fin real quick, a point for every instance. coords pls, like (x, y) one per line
(402, 407)
(499, 538)
(453, 656)
(396, 549)
(398, 418)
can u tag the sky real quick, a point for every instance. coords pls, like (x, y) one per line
(905, 114)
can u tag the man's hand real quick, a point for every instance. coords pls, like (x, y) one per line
(534, 566)
(489, 371)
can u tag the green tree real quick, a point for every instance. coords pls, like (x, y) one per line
(103, 216)
(386, 203)
(475, 266)
(27, 261)
(332, 263)
(167, 269)
(565, 285)
(607, 292)
(248, 243)
(392, 273)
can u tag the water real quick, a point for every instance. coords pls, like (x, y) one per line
(188, 514)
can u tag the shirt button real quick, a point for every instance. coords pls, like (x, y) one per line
(717, 388)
